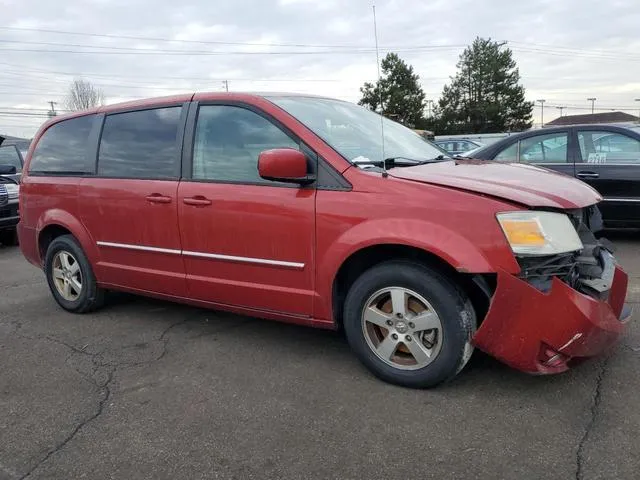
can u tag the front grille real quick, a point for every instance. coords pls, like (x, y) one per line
(4, 195)
(8, 211)
(542, 269)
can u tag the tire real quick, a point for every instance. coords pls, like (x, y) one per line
(448, 345)
(78, 272)
(9, 238)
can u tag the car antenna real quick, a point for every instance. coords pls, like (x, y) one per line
(375, 34)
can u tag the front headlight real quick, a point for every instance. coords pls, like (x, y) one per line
(13, 192)
(539, 233)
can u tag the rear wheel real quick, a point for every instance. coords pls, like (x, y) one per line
(70, 277)
(409, 324)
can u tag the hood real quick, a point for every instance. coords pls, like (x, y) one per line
(520, 183)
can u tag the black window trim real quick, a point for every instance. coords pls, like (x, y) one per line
(326, 177)
(179, 140)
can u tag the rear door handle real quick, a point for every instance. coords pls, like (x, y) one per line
(587, 175)
(197, 201)
(157, 198)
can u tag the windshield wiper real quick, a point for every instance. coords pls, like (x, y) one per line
(391, 162)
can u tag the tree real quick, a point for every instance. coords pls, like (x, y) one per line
(398, 89)
(485, 95)
(82, 95)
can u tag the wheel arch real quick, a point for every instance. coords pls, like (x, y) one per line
(55, 223)
(478, 286)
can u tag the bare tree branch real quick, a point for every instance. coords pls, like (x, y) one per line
(82, 95)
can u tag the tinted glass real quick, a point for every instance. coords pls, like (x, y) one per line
(509, 154)
(140, 144)
(62, 148)
(229, 140)
(549, 148)
(9, 156)
(608, 147)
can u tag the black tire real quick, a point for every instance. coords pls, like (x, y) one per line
(9, 238)
(91, 296)
(454, 308)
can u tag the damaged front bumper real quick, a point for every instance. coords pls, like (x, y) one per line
(543, 332)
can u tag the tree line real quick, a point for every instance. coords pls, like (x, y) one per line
(485, 95)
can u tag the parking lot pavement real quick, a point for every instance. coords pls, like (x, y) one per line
(146, 389)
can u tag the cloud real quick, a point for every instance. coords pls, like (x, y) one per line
(566, 51)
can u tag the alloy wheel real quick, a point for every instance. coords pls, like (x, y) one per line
(67, 276)
(402, 328)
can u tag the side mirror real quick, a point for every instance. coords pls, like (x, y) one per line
(284, 165)
(7, 170)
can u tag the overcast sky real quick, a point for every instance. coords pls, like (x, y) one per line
(566, 50)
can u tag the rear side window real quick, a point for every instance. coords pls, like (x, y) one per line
(608, 147)
(141, 144)
(63, 148)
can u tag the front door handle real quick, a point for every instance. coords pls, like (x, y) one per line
(197, 201)
(587, 175)
(157, 198)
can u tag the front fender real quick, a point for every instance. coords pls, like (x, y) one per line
(459, 251)
(65, 219)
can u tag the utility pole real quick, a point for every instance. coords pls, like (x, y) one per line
(560, 108)
(638, 100)
(52, 113)
(226, 85)
(593, 102)
(542, 100)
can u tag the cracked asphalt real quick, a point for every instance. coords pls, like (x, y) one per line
(147, 389)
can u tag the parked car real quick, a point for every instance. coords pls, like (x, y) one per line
(606, 157)
(284, 207)
(9, 216)
(457, 147)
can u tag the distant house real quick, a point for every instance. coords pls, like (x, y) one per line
(605, 117)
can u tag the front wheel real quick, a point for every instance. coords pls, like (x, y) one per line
(409, 324)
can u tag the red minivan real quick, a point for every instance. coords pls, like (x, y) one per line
(319, 212)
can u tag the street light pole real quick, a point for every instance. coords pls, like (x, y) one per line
(542, 100)
(593, 102)
(560, 108)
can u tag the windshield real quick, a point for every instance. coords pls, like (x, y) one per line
(355, 132)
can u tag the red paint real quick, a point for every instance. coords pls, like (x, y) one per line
(282, 163)
(522, 319)
(520, 183)
(202, 231)
(134, 212)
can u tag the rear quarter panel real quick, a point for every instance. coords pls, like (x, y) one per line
(48, 201)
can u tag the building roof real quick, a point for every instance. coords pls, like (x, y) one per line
(605, 117)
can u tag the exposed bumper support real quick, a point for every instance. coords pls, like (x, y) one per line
(540, 332)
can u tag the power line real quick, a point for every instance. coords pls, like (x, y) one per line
(212, 42)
